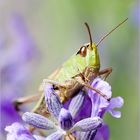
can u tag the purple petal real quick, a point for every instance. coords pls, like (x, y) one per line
(88, 124)
(114, 113)
(55, 136)
(65, 119)
(7, 109)
(98, 102)
(103, 86)
(52, 101)
(16, 131)
(115, 103)
(103, 133)
(85, 109)
(76, 103)
(86, 135)
(38, 121)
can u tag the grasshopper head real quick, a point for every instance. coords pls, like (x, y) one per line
(89, 55)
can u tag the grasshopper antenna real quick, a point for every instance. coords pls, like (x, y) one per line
(111, 32)
(90, 36)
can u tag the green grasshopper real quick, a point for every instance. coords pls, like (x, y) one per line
(76, 73)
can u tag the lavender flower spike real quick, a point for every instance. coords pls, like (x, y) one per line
(38, 121)
(18, 132)
(88, 124)
(52, 101)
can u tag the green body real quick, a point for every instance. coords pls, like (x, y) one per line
(77, 63)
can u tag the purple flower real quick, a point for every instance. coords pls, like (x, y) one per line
(7, 109)
(15, 68)
(98, 106)
(101, 105)
(63, 123)
(84, 125)
(18, 132)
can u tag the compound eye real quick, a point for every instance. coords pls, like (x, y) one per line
(82, 51)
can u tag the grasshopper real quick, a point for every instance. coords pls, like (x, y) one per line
(76, 73)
